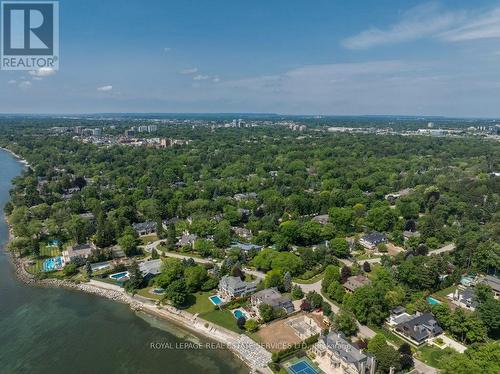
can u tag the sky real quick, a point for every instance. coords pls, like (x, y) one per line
(335, 57)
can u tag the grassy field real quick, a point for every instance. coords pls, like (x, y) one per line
(222, 318)
(148, 238)
(446, 291)
(45, 252)
(433, 356)
(199, 303)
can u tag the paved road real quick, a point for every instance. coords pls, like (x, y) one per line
(446, 248)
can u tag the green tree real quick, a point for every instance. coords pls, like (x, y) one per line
(339, 247)
(297, 292)
(345, 322)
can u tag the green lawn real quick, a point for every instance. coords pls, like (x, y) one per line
(433, 356)
(446, 291)
(222, 318)
(144, 292)
(199, 303)
(388, 335)
(45, 252)
(312, 280)
(148, 238)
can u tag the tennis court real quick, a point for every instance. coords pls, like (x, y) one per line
(302, 367)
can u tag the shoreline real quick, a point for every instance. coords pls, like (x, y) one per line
(197, 326)
(17, 157)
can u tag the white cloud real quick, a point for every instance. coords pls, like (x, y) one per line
(201, 77)
(167, 49)
(12, 81)
(431, 21)
(24, 84)
(482, 26)
(42, 72)
(105, 88)
(216, 79)
(189, 71)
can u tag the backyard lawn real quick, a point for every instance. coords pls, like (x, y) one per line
(433, 356)
(442, 294)
(199, 303)
(148, 238)
(144, 292)
(222, 318)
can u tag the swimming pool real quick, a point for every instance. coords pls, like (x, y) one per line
(119, 276)
(433, 301)
(158, 291)
(216, 300)
(53, 263)
(238, 313)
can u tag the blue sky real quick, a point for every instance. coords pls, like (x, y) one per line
(292, 57)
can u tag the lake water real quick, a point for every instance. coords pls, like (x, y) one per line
(46, 330)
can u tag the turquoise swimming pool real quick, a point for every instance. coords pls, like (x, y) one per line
(433, 301)
(238, 314)
(51, 264)
(216, 300)
(119, 276)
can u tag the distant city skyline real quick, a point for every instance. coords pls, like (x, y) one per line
(439, 58)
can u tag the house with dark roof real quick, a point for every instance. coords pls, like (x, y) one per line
(246, 246)
(493, 282)
(355, 282)
(144, 228)
(187, 240)
(371, 241)
(419, 328)
(342, 356)
(464, 298)
(231, 287)
(272, 297)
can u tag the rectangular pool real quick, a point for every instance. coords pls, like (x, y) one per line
(118, 276)
(238, 314)
(216, 300)
(433, 301)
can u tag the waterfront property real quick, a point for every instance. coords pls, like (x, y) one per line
(231, 287)
(272, 297)
(335, 353)
(418, 328)
(149, 269)
(77, 252)
(52, 264)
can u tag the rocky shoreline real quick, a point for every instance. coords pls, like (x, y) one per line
(32, 280)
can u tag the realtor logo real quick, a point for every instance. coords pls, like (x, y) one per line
(30, 35)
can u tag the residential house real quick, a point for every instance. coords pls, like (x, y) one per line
(246, 247)
(322, 219)
(272, 297)
(355, 282)
(231, 287)
(410, 234)
(392, 197)
(242, 232)
(77, 252)
(371, 241)
(187, 240)
(464, 298)
(419, 328)
(398, 315)
(493, 282)
(144, 228)
(342, 356)
(150, 268)
(245, 196)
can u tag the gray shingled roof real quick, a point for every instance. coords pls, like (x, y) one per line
(337, 342)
